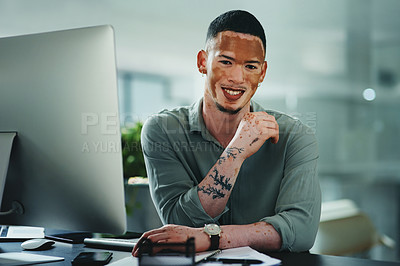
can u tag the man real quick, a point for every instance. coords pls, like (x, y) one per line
(246, 173)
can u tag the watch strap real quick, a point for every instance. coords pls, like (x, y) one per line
(214, 242)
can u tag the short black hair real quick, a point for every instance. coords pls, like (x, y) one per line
(238, 21)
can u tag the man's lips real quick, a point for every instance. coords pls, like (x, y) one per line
(232, 93)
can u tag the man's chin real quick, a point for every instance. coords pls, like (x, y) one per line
(228, 111)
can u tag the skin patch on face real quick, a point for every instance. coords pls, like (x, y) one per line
(243, 36)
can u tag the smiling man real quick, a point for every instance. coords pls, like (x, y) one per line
(225, 170)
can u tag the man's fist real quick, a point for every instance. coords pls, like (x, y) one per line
(254, 129)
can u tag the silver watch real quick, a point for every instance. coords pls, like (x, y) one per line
(214, 231)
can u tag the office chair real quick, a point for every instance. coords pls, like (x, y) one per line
(345, 230)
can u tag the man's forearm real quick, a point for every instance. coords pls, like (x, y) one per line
(216, 187)
(260, 236)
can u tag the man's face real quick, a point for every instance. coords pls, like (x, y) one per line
(235, 66)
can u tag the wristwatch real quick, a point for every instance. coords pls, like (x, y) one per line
(214, 231)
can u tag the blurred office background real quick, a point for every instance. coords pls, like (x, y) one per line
(333, 64)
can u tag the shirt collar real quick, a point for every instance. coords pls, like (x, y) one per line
(196, 122)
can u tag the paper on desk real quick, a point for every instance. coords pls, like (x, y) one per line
(23, 232)
(22, 258)
(170, 260)
(130, 260)
(133, 261)
(233, 253)
(247, 253)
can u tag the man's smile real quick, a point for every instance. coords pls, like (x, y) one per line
(232, 93)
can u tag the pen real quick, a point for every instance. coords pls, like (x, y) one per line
(233, 261)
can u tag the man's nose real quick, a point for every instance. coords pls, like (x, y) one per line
(237, 75)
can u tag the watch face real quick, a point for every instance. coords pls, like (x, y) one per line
(212, 229)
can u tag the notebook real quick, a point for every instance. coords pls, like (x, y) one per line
(20, 258)
(20, 232)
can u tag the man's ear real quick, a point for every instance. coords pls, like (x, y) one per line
(202, 61)
(263, 71)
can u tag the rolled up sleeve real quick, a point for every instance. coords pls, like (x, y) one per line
(298, 206)
(173, 186)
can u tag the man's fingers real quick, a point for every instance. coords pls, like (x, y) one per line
(158, 237)
(138, 245)
(144, 238)
(154, 238)
(270, 131)
(275, 139)
(268, 124)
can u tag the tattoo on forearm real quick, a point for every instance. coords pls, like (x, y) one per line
(216, 193)
(255, 140)
(221, 180)
(233, 152)
(230, 153)
(218, 180)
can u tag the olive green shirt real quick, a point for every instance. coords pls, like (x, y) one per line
(278, 184)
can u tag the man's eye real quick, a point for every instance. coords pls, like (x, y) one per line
(251, 67)
(225, 62)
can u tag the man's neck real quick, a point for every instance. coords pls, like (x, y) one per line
(221, 125)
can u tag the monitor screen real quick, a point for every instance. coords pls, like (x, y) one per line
(58, 91)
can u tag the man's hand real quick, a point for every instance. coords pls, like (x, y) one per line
(174, 234)
(260, 236)
(254, 129)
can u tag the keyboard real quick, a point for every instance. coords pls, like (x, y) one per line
(111, 243)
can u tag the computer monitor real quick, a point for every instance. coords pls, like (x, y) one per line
(58, 91)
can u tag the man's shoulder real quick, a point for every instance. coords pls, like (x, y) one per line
(168, 119)
(177, 113)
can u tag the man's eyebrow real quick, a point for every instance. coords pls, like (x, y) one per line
(253, 62)
(227, 57)
(233, 59)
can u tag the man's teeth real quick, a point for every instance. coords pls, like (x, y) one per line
(233, 93)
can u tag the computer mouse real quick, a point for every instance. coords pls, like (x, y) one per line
(37, 244)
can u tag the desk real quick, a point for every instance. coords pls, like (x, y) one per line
(307, 259)
(69, 251)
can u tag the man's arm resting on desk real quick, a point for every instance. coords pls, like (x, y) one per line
(260, 236)
(298, 206)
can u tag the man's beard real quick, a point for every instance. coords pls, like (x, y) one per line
(224, 110)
